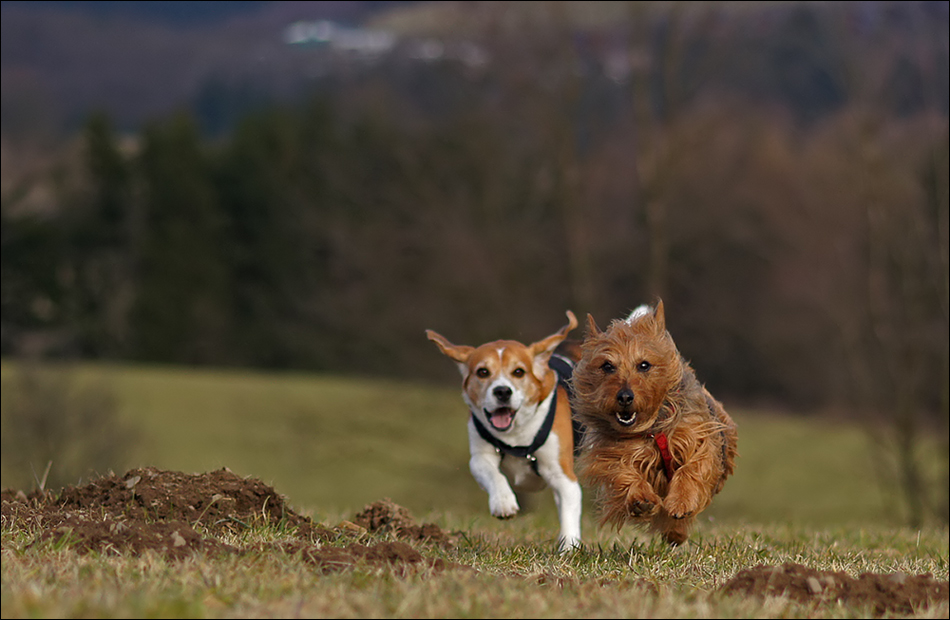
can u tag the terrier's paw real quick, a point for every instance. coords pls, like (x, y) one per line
(640, 508)
(642, 505)
(680, 506)
(503, 505)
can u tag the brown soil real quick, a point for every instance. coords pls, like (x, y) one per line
(895, 593)
(175, 514)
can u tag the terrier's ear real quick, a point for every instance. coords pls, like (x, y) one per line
(459, 353)
(592, 329)
(659, 316)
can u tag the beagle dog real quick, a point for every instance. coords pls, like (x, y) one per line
(520, 430)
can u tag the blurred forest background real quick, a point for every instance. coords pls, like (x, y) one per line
(311, 185)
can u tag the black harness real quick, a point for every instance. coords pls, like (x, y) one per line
(564, 368)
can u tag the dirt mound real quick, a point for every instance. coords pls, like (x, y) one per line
(173, 539)
(895, 593)
(176, 514)
(217, 502)
(386, 516)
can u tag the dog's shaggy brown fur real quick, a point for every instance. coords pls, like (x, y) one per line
(630, 386)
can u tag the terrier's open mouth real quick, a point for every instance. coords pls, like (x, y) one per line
(626, 418)
(501, 418)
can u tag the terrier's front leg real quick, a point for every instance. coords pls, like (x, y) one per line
(689, 492)
(501, 499)
(641, 499)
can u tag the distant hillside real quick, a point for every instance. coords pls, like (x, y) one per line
(208, 12)
(61, 60)
(177, 13)
(140, 60)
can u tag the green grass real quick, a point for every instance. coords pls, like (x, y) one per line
(802, 492)
(334, 444)
(518, 576)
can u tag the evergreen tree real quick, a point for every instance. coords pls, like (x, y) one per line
(181, 311)
(272, 187)
(99, 251)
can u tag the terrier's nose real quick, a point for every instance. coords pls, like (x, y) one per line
(625, 397)
(502, 393)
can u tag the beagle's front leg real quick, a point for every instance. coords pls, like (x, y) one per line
(485, 465)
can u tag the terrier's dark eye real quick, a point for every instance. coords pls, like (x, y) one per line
(608, 368)
(517, 372)
(483, 372)
(644, 366)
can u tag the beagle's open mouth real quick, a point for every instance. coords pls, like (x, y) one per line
(501, 418)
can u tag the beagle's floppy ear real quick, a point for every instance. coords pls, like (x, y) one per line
(547, 345)
(458, 352)
(541, 350)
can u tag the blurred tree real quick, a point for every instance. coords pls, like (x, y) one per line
(182, 310)
(31, 294)
(899, 356)
(220, 105)
(890, 302)
(99, 259)
(806, 64)
(885, 290)
(271, 186)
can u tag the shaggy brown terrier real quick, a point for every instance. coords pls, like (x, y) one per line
(657, 446)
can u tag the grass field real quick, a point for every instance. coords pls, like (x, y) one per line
(334, 444)
(802, 492)
(518, 576)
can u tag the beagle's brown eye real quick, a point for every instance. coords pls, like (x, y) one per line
(517, 372)
(483, 372)
(644, 366)
(608, 368)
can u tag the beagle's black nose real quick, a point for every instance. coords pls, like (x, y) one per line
(502, 393)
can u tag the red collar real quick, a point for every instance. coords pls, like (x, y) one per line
(664, 446)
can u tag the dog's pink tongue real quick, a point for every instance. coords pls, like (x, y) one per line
(501, 420)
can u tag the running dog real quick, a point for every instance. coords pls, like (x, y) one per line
(657, 446)
(520, 430)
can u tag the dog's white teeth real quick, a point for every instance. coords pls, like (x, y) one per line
(627, 421)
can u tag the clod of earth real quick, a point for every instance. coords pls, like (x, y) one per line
(895, 593)
(175, 515)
